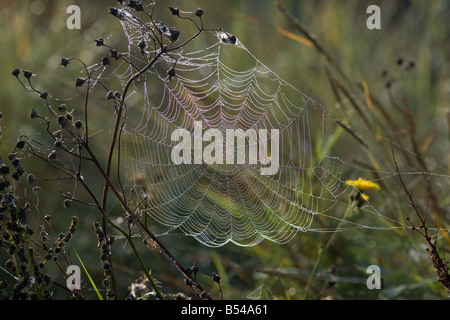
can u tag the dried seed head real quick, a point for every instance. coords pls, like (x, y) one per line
(199, 12)
(67, 203)
(58, 143)
(171, 73)
(173, 34)
(15, 162)
(175, 11)
(216, 277)
(99, 42)
(114, 54)
(78, 124)
(105, 61)
(62, 121)
(64, 62)
(4, 169)
(33, 114)
(20, 144)
(161, 26)
(110, 240)
(31, 178)
(44, 95)
(79, 82)
(15, 72)
(62, 108)
(27, 74)
(110, 95)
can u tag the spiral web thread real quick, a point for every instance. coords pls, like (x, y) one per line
(217, 204)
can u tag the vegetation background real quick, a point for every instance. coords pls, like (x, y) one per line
(33, 35)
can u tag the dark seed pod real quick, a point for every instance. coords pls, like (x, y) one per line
(58, 143)
(114, 54)
(44, 95)
(105, 61)
(78, 124)
(64, 62)
(33, 114)
(15, 72)
(31, 178)
(216, 277)
(4, 169)
(174, 34)
(67, 203)
(199, 12)
(79, 82)
(62, 121)
(175, 11)
(99, 42)
(15, 163)
(62, 108)
(27, 74)
(20, 144)
(171, 73)
(110, 95)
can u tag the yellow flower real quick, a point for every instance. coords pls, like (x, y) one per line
(362, 184)
(364, 197)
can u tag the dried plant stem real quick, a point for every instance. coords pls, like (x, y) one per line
(311, 37)
(106, 174)
(440, 265)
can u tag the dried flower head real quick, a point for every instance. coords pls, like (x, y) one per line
(199, 12)
(99, 42)
(27, 74)
(174, 11)
(15, 72)
(33, 114)
(79, 82)
(64, 62)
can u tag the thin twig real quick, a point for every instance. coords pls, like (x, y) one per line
(440, 265)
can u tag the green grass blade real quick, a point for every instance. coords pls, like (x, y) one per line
(90, 279)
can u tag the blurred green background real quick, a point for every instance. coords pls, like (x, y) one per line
(34, 36)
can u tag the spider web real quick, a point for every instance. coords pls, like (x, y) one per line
(224, 86)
